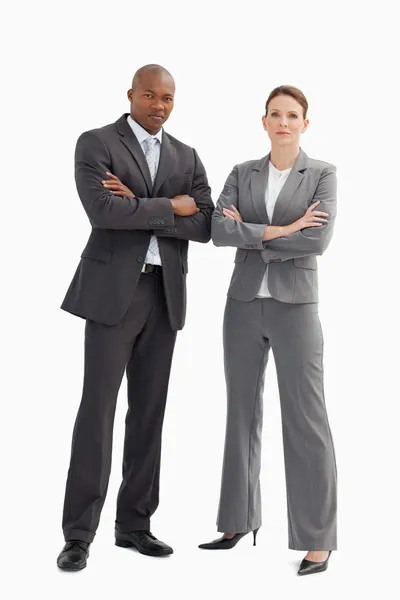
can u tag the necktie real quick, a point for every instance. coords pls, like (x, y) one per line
(151, 157)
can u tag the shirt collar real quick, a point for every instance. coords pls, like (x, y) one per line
(277, 172)
(141, 133)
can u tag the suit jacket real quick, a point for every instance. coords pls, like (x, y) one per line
(292, 271)
(110, 266)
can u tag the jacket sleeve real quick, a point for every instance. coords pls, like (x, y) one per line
(196, 228)
(311, 240)
(228, 232)
(105, 210)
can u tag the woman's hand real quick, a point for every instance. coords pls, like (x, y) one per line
(232, 214)
(116, 186)
(311, 218)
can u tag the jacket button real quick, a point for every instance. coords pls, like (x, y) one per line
(140, 259)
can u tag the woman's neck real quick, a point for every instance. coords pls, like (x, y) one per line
(284, 157)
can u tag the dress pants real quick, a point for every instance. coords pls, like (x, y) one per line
(143, 344)
(294, 333)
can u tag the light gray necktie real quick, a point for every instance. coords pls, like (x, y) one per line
(151, 157)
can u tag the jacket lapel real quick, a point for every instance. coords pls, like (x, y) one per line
(167, 161)
(289, 188)
(129, 140)
(259, 178)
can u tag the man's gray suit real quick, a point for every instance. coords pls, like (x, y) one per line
(132, 316)
(289, 324)
(108, 274)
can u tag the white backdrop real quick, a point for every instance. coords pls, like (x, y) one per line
(67, 67)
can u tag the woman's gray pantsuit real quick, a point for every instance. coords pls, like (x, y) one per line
(288, 323)
(293, 331)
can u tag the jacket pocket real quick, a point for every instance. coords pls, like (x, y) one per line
(96, 253)
(184, 178)
(306, 262)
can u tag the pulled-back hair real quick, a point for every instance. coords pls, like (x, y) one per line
(289, 90)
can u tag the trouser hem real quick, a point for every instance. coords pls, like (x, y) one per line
(309, 547)
(137, 525)
(238, 529)
(79, 534)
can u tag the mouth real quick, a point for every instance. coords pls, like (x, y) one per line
(157, 117)
(282, 133)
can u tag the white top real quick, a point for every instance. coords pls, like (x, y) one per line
(276, 181)
(142, 135)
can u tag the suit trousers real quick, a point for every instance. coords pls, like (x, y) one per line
(142, 344)
(294, 333)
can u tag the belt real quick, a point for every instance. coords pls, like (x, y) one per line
(148, 268)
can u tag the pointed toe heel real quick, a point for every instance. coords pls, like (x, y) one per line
(255, 536)
(223, 543)
(308, 567)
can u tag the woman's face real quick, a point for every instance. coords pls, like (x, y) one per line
(284, 122)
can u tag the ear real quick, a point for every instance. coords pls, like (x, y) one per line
(129, 94)
(263, 122)
(306, 122)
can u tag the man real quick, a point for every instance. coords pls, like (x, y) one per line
(146, 195)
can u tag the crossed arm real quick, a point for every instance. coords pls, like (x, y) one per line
(307, 236)
(109, 204)
(195, 227)
(108, 208)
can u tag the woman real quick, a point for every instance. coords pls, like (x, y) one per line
(279, 213)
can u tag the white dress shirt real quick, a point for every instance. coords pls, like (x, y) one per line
(142, 135)
(276, 181)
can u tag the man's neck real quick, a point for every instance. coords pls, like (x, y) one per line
(145, 128)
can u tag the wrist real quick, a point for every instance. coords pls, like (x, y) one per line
(273, 232)
(288, 229)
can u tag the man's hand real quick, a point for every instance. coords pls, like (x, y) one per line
(184, 206)
(116, 186)
(232, 214)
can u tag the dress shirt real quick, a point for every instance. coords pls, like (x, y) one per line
(142, 135)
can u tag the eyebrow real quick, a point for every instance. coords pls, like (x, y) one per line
(151, 91)
(291, 111)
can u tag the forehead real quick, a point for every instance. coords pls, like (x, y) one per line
(160, 83)
(285, 103)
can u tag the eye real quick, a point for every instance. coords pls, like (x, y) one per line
(273, 114)
(295, 116)
(148, 95)
(168, 99)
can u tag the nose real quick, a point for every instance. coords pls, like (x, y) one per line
(158, 106)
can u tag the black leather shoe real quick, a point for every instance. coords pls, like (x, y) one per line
(73, 556)
(224, 543)
(308, 567)
(144, 541)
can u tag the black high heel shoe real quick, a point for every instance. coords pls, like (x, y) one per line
(308, 567)
(223, 543)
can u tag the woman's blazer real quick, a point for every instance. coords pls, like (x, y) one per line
(292, 270)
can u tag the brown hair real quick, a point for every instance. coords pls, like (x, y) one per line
(289, 90)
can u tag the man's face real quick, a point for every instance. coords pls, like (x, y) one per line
(152, 100)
